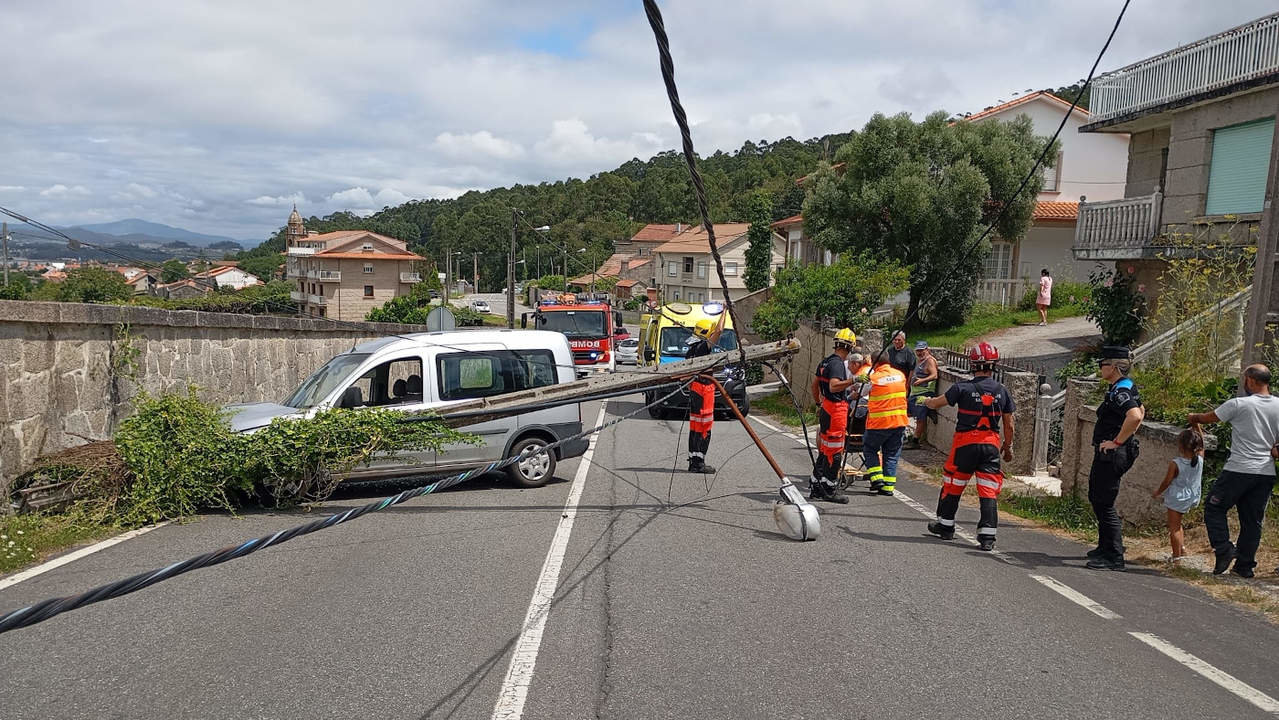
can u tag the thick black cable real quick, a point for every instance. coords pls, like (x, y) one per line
(46, 609)
(690, 157)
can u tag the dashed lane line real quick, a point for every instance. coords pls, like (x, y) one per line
(1076, 597)
(75, 555)
(514, 693)
(1222, 678)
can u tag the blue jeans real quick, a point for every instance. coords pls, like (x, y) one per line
(888, 442)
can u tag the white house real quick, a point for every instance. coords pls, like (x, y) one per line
(1094, 166)
(227, 276)
(686, 271)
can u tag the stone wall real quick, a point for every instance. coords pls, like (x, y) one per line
(1158, 446)
(68, 370)
(1024, 388)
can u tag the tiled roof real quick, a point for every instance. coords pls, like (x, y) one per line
(612, 267)
(1055, 211)
(655, 232)
(695, 240)
(370, 255)
(792, 220)
(1022, 101)
(627, 283)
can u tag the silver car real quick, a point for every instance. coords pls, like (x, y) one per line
(628, 352)
(480, 306)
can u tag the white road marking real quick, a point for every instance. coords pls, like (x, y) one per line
(1220, 677)
(510, 701)
(1076, 597)
(76, 555)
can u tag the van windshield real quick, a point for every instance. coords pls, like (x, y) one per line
(324, 381)
(675, 341)
(575, 324)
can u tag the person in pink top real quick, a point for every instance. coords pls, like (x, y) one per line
(1045, 297)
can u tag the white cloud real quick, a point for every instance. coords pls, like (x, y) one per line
(140, 190)
(571, 143)
(11, 188)
(482, 143)
(359, 198)
(296, 198)
(59, 190)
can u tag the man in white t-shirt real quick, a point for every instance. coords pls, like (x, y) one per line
(1249, 475)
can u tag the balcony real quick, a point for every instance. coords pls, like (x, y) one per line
(1231, 61)
(297, 296)
(316, 300)
(326, 275)
(1118, 229)
(410, 277)
(300, 251)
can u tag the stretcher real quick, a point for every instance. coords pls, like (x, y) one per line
(854, 467)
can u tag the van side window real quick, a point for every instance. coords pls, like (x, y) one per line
(463, 376)
(397, 382)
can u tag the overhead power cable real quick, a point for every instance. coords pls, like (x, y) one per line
(41, 611)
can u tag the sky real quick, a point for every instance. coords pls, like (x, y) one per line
(218, 116)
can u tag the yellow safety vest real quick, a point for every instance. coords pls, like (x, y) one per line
(887, 403)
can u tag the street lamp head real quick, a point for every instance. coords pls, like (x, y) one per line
(544, 228)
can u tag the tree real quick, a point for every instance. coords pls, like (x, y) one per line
(836, 295)
(263, 267)
(921, 194)
(173, 271)
(18, 288)
(94, 285)
(759, 254)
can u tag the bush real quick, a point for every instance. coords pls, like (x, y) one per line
(182, 457)
(93, 285)
(551, 282)
(837, 295)
(1065, 292)
(273, 297)
(1116, 305)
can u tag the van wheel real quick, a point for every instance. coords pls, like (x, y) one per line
(654, 411)
(534, 468)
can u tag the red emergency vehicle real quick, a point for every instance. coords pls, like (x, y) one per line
(589, 326)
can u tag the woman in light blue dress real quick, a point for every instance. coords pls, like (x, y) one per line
(1182, 486)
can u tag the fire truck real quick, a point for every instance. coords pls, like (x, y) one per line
(589, 325)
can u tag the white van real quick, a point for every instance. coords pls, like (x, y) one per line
(434, 370)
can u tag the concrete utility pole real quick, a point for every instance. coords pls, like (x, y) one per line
(475, 269)
(1263, 308)
(4, 236)
(448, 273)
(510, 275)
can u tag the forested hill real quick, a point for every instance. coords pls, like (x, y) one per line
(590, 214)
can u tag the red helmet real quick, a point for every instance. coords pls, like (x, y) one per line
(984, 353)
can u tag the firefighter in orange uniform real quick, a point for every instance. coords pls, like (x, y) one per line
(701, 396)
(982, 405)
(830, 390)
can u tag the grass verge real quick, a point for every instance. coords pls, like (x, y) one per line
(29, 539)
(780, 407)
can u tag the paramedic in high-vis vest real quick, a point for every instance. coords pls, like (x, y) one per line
(886, 421)
(830, 390)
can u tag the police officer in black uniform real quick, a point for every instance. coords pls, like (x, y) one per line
(1114, 451)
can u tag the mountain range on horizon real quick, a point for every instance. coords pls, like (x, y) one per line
(135, 228)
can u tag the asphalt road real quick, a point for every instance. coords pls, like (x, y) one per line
(676, 599)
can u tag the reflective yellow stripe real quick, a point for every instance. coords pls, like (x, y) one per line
(891, 396)
(887, 413)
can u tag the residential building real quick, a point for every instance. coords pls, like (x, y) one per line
(1201, 118)
(1086, 166)
(686, 271)
(800, 249)
(185, 288)
(229, 277)
(345, 274)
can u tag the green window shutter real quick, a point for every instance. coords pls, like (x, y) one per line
(1240, 160)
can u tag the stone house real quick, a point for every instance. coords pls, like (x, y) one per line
(1201, 118)
(343, 275)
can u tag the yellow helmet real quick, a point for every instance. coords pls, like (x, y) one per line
(846, 338)
(703, 328)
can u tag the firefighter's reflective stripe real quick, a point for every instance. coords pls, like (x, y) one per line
(701, 415)
(989, 484)
(886, 406)
(835, 421)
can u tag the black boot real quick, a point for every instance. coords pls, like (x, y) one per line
(986, 542)
(697, 466)
(818, 490)
(945, 532)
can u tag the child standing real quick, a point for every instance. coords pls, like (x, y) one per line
(1181, 487)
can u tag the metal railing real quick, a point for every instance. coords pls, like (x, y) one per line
(297, 295)
(1005, 292)
(298, 251)
(317, 300)
(1237, 55)
(1112, 225)
(334, 275)
(957, 361)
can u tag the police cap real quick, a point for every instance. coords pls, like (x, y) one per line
(1115, 352)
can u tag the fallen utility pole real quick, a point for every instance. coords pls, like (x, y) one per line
(602, 386)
